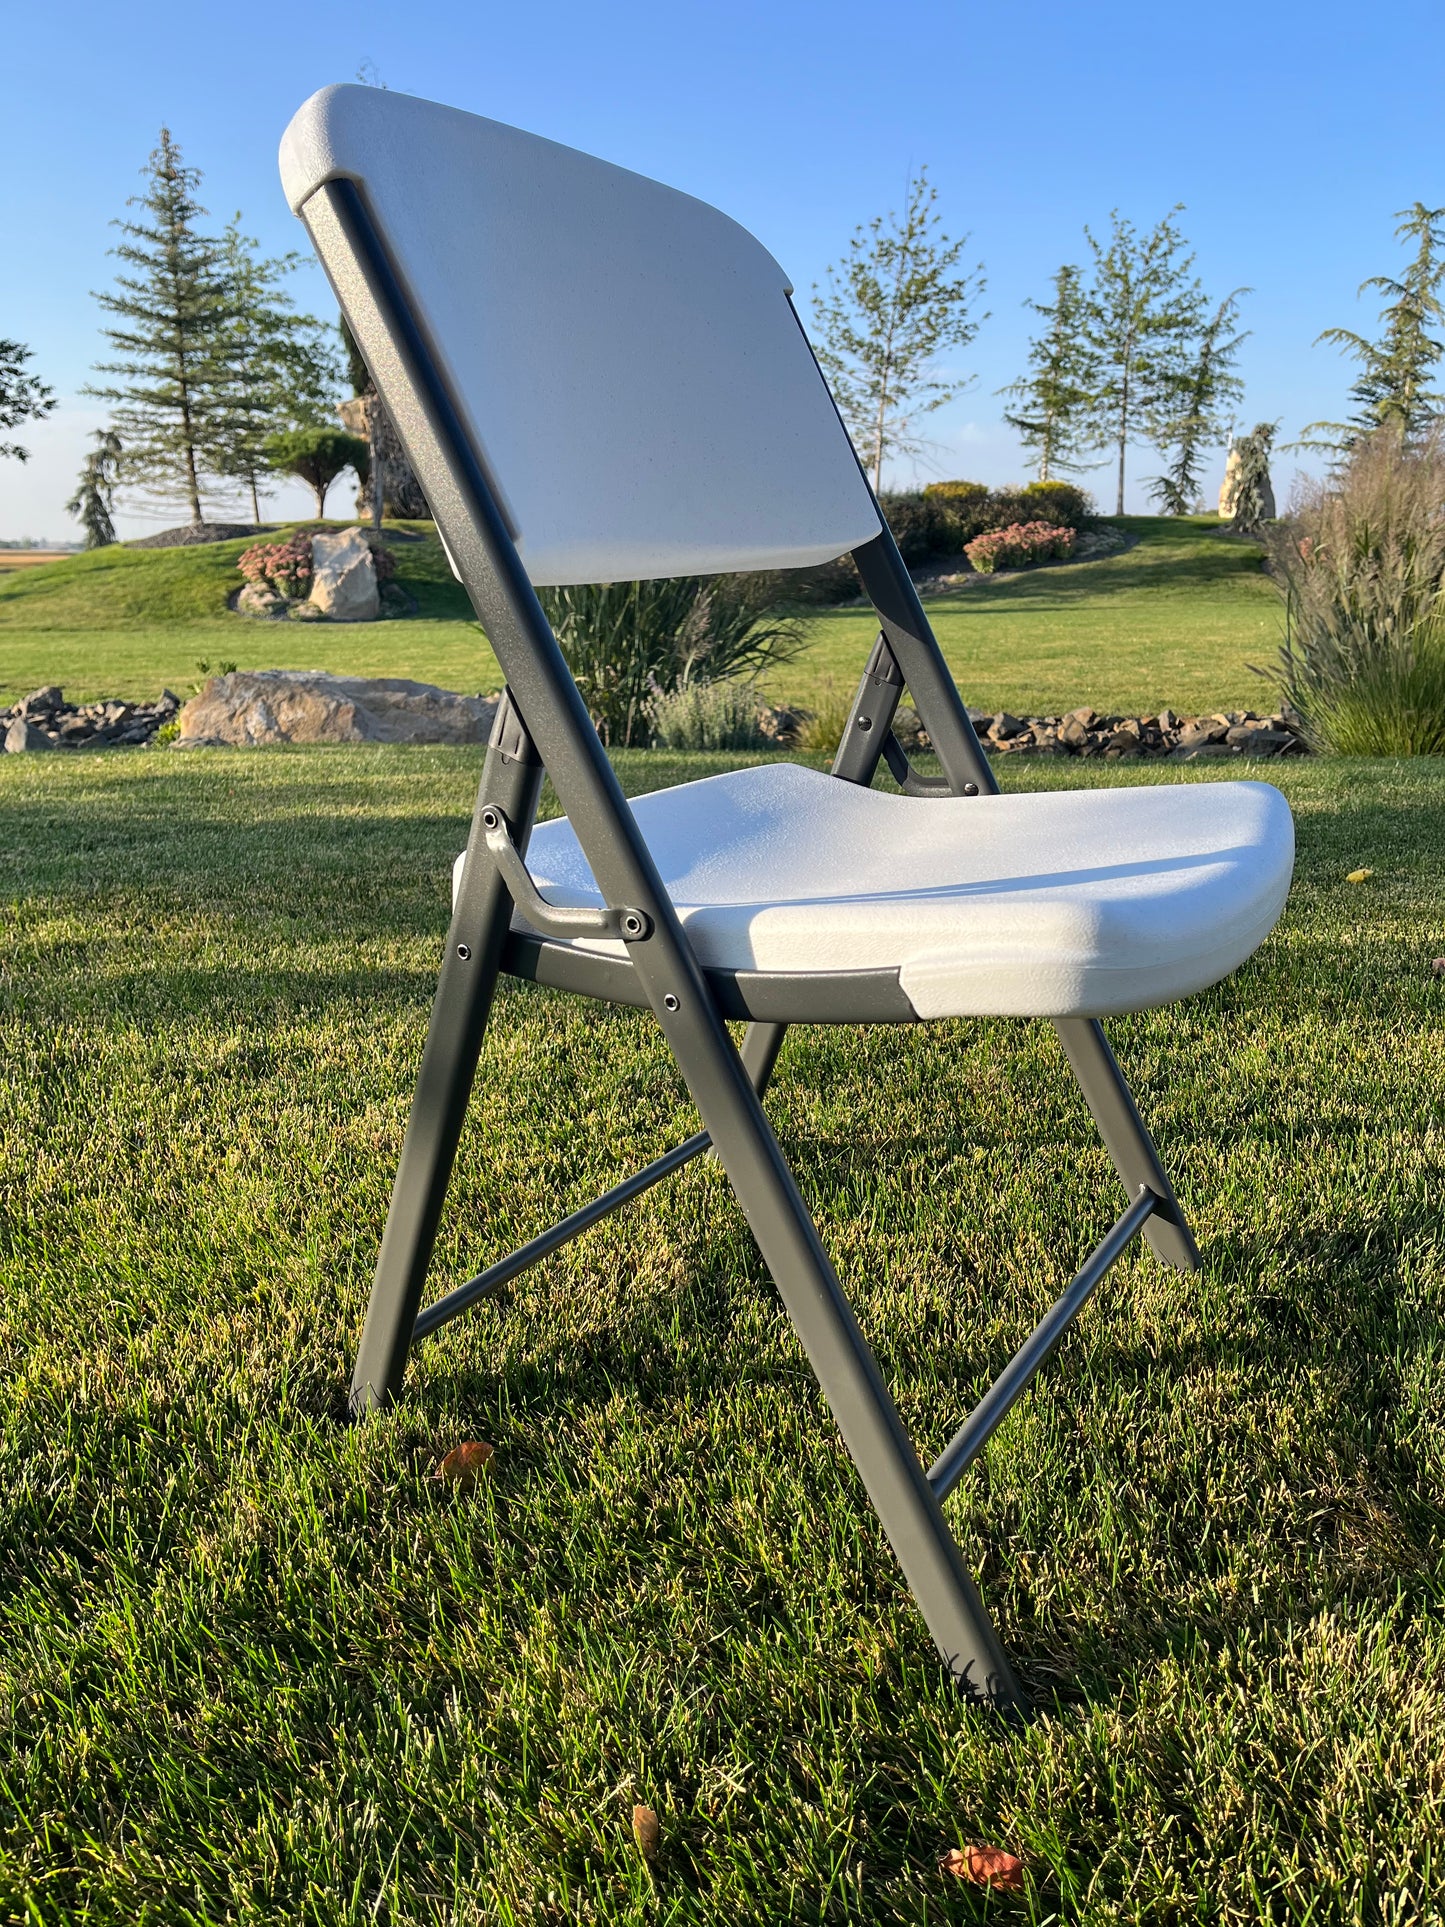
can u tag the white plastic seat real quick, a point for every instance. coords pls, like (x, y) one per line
(1063, 904)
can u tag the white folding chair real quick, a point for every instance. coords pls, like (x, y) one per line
(597, 378)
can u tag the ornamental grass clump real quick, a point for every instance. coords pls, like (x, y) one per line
(706, 715)
(1360, 563)
(630, 643)
(1019, 546)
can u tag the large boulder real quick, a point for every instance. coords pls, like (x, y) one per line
(256, 706)
(1229, 489)
(343, 577)
(400, 490)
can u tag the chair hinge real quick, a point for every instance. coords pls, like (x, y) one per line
(553, 919)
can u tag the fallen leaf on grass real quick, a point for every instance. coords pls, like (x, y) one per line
(1437, 964)
(464, 1464)
(985, 1867)
(647, 1833)
(1359, 876)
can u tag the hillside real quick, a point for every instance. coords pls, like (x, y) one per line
(1175, 620)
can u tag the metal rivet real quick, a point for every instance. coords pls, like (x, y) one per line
(865, 722)
(669, 1002)
(970, 789)
(489, 817)
(464, 951)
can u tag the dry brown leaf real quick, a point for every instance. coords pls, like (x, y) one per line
(464, 1464)
(1437, 964)
(985, 1867)
(647, 1833)
(1359, 876)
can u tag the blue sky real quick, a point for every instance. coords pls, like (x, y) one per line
(1292, 133)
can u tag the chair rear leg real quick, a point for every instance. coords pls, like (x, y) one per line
(454, 1040)
(1128, 1143)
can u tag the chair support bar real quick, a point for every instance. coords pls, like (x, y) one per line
(505, 1269)
(999, 1400)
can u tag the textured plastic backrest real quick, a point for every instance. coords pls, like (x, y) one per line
(625, 356)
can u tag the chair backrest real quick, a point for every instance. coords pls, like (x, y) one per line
(625, 357)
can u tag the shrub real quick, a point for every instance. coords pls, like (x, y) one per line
(957, 491)
(629, 642)
(1360, 563)
(821, 730)
(706, 715)
(923, 525)
(283, 567)
(1018, 546)
(1068, 505)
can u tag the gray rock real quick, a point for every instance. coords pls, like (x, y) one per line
(23, 735)
(254, 707)
(257, 600)
(343, 577)
(42, 702)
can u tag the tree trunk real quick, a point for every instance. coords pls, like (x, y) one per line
(378, 476)
(1119, 503)
(255, 502)
(321, 488)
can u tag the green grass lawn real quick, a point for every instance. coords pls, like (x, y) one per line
(257, 1666)
(1175, 620)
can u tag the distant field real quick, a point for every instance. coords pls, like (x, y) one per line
(30, 558)
(1175, 620)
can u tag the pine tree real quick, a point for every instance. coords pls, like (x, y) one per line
(891, 306)
(23, 397)
(1141, 315)
(279, 369)
(1054, 396)
(1208, 388)
(94, 498)
(1393, 387)
(171, 309)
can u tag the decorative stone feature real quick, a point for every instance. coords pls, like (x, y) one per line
(45, 720)
(343, 577)
(1084, 732)
(260, 706)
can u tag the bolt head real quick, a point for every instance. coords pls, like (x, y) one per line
(464, 951)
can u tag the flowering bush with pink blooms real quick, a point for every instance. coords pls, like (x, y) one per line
(284, 567)
(1016, 547)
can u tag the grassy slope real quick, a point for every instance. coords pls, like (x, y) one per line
(1174, 620)
(256, 1666)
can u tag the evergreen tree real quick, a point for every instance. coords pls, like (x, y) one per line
(171, 310)
(1141, 316)
(1208, 388)
(279, 369)
(23, 397)
(897, 300)
(94, 497)
(1054, 396)
(1393, 387)
(1253, 496)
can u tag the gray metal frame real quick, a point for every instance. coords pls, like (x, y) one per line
(543, 723)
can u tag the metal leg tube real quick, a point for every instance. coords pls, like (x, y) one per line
(1128, 1143)
(454, 1040)
(1013, 1381)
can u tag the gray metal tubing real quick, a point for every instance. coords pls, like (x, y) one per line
(891, 590)
(760, 1053)
(469, 518)
(1127, 1141)
(470, 964)
(525, 1256)
(1001, 1397)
